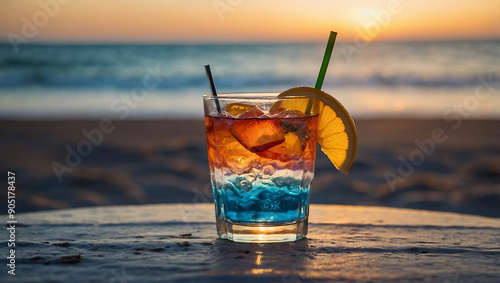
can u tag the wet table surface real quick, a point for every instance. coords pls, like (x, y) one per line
(178, 243)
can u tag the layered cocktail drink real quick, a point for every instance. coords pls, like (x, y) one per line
(261, 154)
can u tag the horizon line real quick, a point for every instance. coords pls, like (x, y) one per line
(256, 42)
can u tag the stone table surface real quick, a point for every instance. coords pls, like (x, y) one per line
(178, 243)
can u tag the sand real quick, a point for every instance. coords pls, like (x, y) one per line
(422, 164)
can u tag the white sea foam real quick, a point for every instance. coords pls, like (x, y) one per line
(419, 79)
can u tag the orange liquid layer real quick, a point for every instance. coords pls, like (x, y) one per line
(239, 146)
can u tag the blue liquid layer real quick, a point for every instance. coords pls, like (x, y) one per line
(280, 199)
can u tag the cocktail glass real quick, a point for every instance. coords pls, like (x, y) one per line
(261, 154)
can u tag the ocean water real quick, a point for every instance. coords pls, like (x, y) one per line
(398, 79)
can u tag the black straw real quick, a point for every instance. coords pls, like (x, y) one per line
(212, 86)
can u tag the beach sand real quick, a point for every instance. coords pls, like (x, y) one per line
(451, 167)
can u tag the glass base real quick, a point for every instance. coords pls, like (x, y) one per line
(262, 232)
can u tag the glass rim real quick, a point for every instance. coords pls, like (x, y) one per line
(254, 95)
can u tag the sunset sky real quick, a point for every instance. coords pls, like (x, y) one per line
(169, 21)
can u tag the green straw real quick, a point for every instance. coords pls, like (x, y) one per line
(324, 66)
(326, 59)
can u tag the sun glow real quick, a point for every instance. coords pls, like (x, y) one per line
(247, 21)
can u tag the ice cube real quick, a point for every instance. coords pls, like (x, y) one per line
(279, 181)
(236, 109)
(290, 149)
(281, 112)
(252, 113)
(258, 135)
(245, 185)
(236, 157)
(268, 170)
